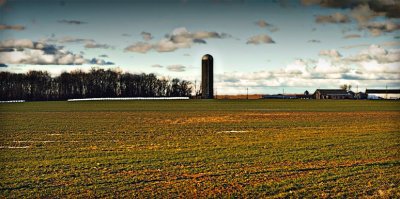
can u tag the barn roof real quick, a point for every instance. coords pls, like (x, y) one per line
(332, 91)
(383, 91)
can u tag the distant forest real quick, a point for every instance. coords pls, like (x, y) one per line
(39, 85)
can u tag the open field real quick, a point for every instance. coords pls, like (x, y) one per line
(200, 148)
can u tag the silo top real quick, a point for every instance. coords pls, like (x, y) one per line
(207, 57)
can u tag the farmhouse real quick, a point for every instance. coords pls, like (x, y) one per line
(332, 94)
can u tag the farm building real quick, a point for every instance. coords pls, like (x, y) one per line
(279, 96)
(360, 95)
(332, 94)
(207, 77)
(383, 93)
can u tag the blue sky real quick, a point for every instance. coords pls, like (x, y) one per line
(265, 46)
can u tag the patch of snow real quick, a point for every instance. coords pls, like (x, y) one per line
(13, 101)
(128, 98)
(14, 147)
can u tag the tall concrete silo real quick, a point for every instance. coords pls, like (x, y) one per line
(207, 77)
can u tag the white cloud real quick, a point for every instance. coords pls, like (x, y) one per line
(363, 14)
(391, 43)
(374, 50)
(182, 38)
(374, 67)
(25, 51)
(176, 68)
(333, 18)
(363, 11)
(206, 35)
(376, 53)
(97, 45)
(17, 43)
(262, 23)
(329, 67)
(388, 8)
(376, 28)
(139, 47)
(89, 43)
(157, 66)
(179, 38)
(260, 39)
(297, 68)
(168, 45)
(67, 39)
(37, 56)
(330, 53)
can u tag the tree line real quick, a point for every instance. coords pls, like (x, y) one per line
(40, 85)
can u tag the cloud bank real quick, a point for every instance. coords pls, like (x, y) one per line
(25, 51)
(88, 43)
(363, 12)
(388, 8)
(369, 68)
(177, 39)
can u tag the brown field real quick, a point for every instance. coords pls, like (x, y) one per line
(211, 148)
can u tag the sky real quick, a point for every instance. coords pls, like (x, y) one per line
(268, 47)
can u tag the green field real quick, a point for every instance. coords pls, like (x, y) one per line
(200, 148)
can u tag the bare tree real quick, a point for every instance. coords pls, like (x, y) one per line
(346, 87)
(39, 85)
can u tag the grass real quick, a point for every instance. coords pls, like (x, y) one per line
(200, 148)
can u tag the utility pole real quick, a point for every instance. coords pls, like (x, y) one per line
(283, 93)
(216, 93)
(357, 94)
(247, 96)
(386, 92)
